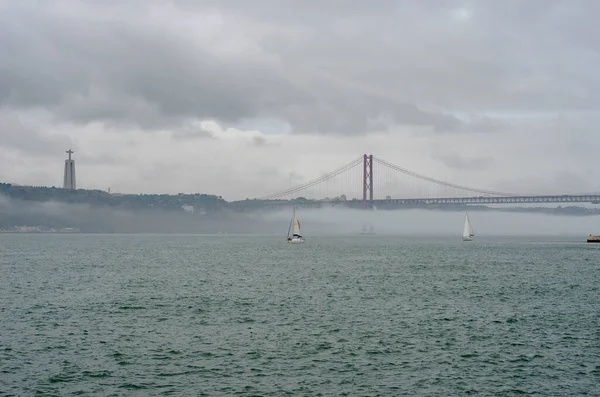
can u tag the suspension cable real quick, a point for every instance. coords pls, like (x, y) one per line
(387, 165)
(437, 181)
(314, 182)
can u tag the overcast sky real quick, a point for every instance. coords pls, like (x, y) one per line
(236, 98)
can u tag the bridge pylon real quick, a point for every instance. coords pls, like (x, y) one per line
(367, 180)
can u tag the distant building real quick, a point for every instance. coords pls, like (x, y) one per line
(69, 180)
(188, 208)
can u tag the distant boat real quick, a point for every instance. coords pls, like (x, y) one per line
(296, 237)
(593, 239)
(468, 233)
(369, 231)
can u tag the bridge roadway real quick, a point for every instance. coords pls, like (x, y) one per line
(587, 198)
(584, 198)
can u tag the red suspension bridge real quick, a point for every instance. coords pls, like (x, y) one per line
(367, 181)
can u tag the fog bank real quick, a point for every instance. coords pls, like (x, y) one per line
(314, 222)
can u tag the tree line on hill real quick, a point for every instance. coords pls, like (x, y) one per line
(206, 202)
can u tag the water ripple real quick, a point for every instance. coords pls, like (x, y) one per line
(233, 315)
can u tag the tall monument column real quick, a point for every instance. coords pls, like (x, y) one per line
(69, 182)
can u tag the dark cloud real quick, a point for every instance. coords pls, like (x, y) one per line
(192, 132)
(483, 124)
(337, 67)
(125, 76)
(99, 160)
(458, 162)
(16, 134)
(259, 141)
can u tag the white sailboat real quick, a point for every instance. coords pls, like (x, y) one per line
(296, 237)
(468, 233)
(369, 231)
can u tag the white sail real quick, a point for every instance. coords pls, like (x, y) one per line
(468, 233)
(471, 232)
(296, 237)
(295, 226)
(367, 228)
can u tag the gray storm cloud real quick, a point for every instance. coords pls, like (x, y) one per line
(334, 67)
(494, 94)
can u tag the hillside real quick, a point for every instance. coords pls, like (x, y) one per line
(208, 203)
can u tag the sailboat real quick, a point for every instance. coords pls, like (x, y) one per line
(370, 231)
(468, 233)
(296, 237)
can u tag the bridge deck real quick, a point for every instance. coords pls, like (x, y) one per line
(587, 198)
(593, 198)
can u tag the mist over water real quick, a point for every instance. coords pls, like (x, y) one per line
(438, 223)
(206, 315)
(314, 221)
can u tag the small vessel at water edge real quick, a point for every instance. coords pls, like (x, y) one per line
(593, 239)
(468, 233)
(296, 237)
(368, 232)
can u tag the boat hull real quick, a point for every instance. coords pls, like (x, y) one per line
(296, 241)
(467, 239)
(593, 239)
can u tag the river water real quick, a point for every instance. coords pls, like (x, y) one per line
(154, 315)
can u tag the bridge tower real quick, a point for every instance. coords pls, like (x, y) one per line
(368, 180)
